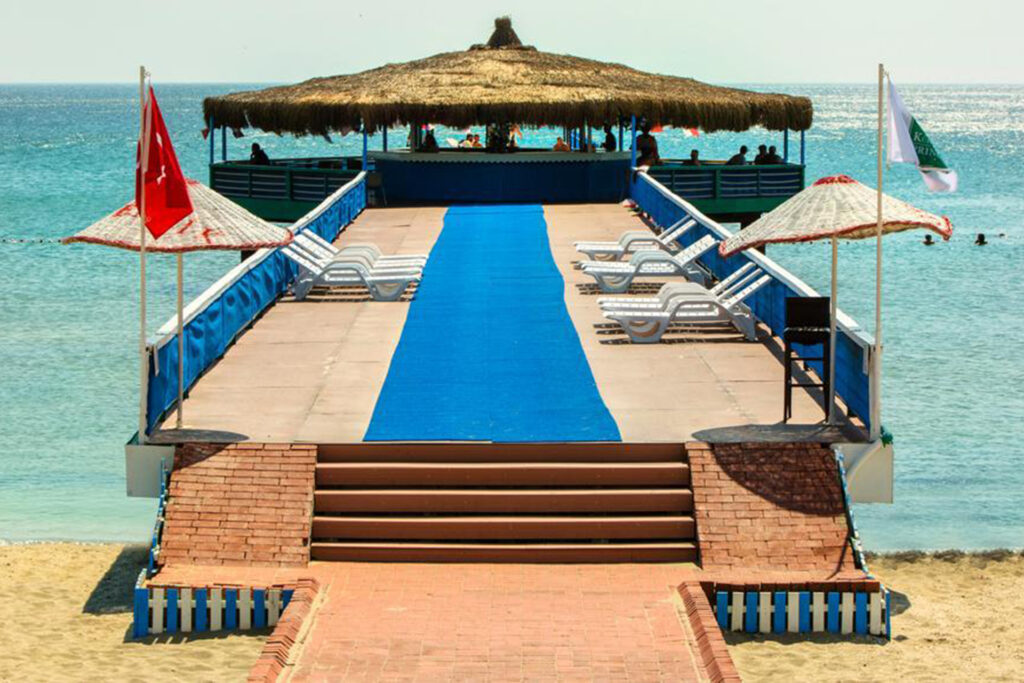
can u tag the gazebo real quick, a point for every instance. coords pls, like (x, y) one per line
(496, 84)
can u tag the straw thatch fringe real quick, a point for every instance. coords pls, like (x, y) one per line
(509, 83)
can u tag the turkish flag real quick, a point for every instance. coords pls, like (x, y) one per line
(160, 177)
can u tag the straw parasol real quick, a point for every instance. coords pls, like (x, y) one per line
(503, 80)
(836, 207)
(216, 223)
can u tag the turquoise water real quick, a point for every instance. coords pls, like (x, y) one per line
(68, 316)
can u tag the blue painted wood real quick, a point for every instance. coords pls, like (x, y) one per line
(779, 620)
(140, 604)
(384, 141)
(231, 608)
(803, 156)
(888, 612)
(632, 145)
(171, 621)
(860, 613)
(785, 145)
(286, 597)
(224, 143)
(201, 623)
(212, 133)
(365, 142)
(750, 618)
(832, 612)
(259, 608)
(722, 609)
(805, 612)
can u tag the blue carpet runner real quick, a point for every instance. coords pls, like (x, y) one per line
(488, 352)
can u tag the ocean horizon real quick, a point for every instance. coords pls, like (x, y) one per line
(69, 317)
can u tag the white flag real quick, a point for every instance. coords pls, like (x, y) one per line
(909, 144)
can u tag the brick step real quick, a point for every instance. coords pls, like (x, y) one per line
(505, 552)
(676, 500)
(678, 527)
(505, 452)
(450, 474)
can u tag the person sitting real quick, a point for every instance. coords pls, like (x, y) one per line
(739, 159)
(258, 156)
(476, 141)
(694, 159)
(429, 142)
(467, 143)
(980, 241)
(773, 156)
(610, 144)
(646, 147)
(561, 145)
(762, 155)
(928, 241)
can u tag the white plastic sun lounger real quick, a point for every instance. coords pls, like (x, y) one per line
(647, 327)
(383, 284)
(672, 290)
(636, 240)
(616, 278)
(313, 243)
(324, 260)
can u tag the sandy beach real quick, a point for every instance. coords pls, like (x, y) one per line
(956, 618)
(66, 616)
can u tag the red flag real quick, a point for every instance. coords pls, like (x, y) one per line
(167, 200)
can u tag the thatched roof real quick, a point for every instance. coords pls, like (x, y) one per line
(503, 81)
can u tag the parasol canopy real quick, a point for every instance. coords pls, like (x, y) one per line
(503, 81)
(216, 223)
(836, 206)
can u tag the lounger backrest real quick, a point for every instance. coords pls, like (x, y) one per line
(747, 291)
(689, 254)
(300, 258)
(312, 253)
(739, 285)
(313, 237)
(727, 282)
(676, 231)
(312, 246)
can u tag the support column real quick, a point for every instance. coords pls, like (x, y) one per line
(803, 157)
(384, 142)
(632, 137)
(365, 141)
(224, 143)
(785, 145)
(213, 132)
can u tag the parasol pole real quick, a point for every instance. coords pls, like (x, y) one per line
(181, 342)
(144, 125)
(832, 335)
(876, 365)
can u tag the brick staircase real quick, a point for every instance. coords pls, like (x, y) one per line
(503, 503)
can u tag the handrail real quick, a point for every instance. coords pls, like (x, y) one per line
(843, 321)
(169, 329)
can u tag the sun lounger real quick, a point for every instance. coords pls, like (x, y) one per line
(636, 240)
(312, 242)
(383, 284)
(671, 290)
(616, 278)
(647, 327)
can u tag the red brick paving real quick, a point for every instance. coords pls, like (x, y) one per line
(431, 622)
(765, 506)
(240, 504)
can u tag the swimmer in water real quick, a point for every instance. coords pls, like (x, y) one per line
(980, 241)
(928, 241)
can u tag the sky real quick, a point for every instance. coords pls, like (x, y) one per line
(731, 41)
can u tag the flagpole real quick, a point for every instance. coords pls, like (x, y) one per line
(181, 343)
(144, 123)
(832, 335)
(876, 365)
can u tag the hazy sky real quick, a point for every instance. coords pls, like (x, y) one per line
(714, 40)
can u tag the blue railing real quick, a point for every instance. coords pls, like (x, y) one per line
(214, 320)
(768, 304)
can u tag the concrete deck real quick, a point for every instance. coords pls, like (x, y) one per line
(311, 371)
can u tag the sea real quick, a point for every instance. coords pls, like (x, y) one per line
(953, 313)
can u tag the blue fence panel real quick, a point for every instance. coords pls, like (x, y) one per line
(255, 286)
(768, 304)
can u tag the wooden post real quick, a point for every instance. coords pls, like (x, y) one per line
(224, 143)
(803, 157)
(632, 137)
(785, 145)
(384, 142)
(213, 132)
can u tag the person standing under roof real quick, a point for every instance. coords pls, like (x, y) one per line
(694, 159)
(762, 155)
(467, 143)
(258, 157)
(610, 144)
(646, 147)
(773, 156)
(561, 145)
(739, 159)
